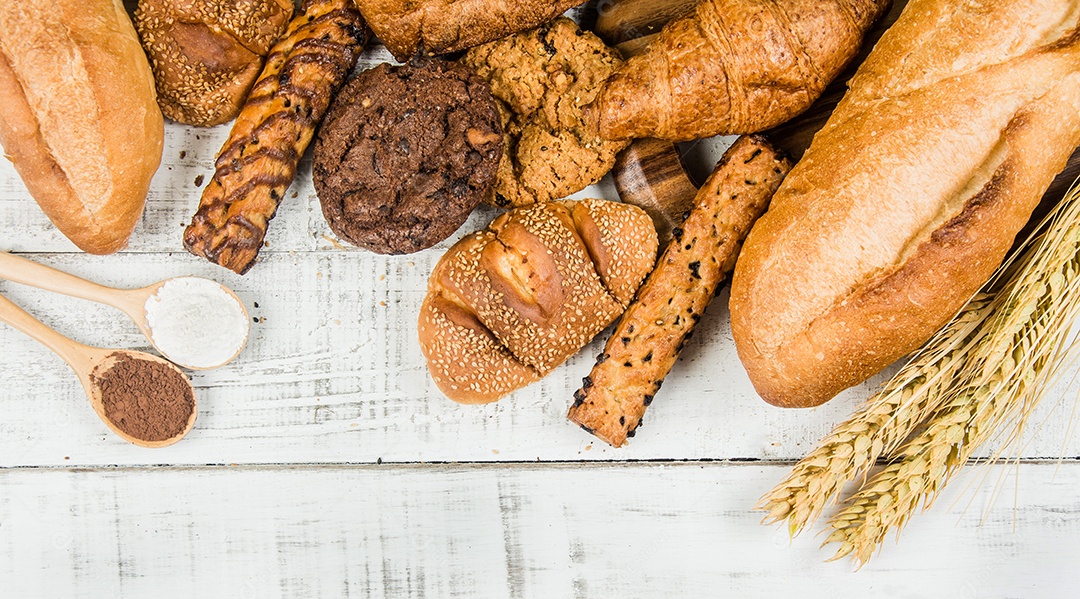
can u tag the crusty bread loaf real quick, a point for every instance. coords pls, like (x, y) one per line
(910, 196)
(78, 116)
(206, 54)
(442, 26)
(508, 304)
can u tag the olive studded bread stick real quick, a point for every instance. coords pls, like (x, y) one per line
(656, 326)
(275, 126)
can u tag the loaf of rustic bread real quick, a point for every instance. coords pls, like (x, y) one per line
(441, 26)
(78, 116)
(508, 304)
(910, 196)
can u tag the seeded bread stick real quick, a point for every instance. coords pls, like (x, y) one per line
(257, 164)
(660, 320)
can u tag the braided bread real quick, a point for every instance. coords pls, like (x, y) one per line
(258, 162)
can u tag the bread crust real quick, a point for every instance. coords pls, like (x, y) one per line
(206, 55)
(733, 66)
(259, 160)
(443, 26)
(652, 332)
(78, 117)
(860, 260)
(508, 304)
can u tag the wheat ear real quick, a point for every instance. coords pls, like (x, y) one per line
(1020, 350)
(879, 426)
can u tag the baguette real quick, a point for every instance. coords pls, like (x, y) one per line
(78, 116)
(258, 162)
(443, 26)
(508, 304)
(910, 196)
(651, 334)
(733, 66)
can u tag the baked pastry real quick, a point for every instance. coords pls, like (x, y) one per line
(733, 66)
(206, 54)
(649, 337)
(78, 117)
(508, 304)
(542, 79)
(258, 161)
(443, 26)
(405, 154)
(910, 196)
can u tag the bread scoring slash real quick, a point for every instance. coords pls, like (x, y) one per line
(910, 196)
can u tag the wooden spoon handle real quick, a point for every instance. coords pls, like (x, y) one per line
(619, 21)
(28, 272)
(650, 175)
(74, 353)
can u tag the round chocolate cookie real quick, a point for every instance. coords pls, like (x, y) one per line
(405, 154)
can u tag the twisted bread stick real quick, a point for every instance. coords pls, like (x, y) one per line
(258, 162)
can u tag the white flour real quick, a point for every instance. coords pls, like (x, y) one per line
(196, 323)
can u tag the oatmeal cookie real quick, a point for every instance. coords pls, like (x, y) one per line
(405, 154)
(542, 78)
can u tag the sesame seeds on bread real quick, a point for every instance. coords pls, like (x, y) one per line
(507, 305)
(206, 55)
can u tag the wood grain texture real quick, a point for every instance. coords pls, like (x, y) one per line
(496, 531)
(333, 372)
(333, 379)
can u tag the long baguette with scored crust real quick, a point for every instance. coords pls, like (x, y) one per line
(442, 26)
(508, 304)
(258, 162)
(78, 116)
(651, 333)
(910, 196)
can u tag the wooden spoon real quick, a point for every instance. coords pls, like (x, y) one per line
(129, 301)
(650, 175)
(630, 24)
(90, 364)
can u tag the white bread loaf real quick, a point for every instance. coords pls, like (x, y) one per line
(78, 116)
(910, 196)
(508, 304)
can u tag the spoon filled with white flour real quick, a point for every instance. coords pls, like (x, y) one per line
(196, 322)
(193, 322)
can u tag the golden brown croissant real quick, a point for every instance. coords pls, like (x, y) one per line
(733, 66)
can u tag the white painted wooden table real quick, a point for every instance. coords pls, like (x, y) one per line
(325, 463)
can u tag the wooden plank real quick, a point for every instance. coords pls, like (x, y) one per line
(333, 372)
(496, 531)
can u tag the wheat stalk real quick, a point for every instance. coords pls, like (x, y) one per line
(1019, 350)
(878, 427)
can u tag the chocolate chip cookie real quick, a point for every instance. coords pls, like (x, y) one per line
(542, 79)
(405, 153)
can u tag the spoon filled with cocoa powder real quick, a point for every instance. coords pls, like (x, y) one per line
(142, 398)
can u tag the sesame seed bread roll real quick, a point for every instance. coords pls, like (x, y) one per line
(466, 360)
(78, 117)
(507, 305)
(206, 55)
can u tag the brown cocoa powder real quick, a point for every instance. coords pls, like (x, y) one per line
(145, 399)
